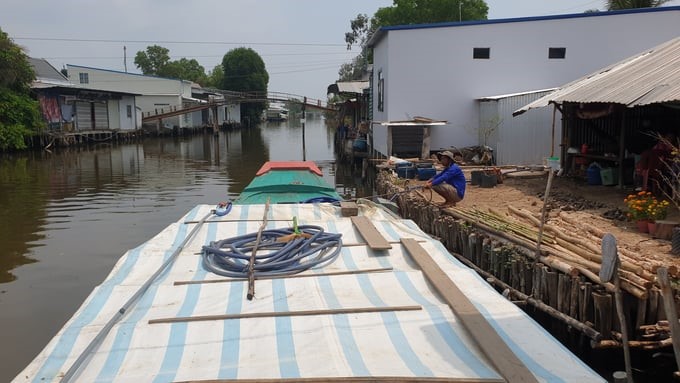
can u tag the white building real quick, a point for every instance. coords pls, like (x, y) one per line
(443, 71)
(156, 94)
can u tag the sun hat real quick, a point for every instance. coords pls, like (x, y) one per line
(446, 153)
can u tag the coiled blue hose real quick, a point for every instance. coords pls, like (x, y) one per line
(308, 247)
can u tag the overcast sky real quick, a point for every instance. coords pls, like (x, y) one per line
(301, 41)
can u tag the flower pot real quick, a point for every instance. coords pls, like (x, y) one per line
(651, 228)
(643, 226)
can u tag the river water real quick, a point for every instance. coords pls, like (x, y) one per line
(68, 215)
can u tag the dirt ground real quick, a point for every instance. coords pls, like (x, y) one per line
(570, 201)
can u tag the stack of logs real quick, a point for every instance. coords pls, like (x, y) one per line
(561, 280)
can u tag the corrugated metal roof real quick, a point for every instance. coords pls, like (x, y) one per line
(348, 87)
(650, 77)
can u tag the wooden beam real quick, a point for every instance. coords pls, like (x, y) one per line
(349, 209)
(273, 314)
(370, 234)
(343, 379)
(314, 275)
(509, 366)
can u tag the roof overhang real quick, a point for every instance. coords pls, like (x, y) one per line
(352, 87)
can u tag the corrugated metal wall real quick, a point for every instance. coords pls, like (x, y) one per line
(522, 140)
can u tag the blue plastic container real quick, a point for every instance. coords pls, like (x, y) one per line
(406, 172)
(593, 175)
(360, 145)
(426, 173)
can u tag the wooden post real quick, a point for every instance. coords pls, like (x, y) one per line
(543, 212)
(304, 149)
(609, 269)
(671, 313)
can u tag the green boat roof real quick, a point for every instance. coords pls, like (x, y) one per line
(286, 186)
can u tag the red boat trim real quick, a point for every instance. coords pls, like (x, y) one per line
(289, 165)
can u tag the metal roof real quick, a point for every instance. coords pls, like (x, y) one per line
(382, 31)
(650, 77)
(348, 87)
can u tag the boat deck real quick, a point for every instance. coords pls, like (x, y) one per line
(369, 313)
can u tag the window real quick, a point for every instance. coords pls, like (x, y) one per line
(84, 78)
(557, 53)
(129, 111)
(381, 92)
(481, 53)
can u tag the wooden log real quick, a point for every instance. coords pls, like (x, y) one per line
(569, 320)
(551, 291)
(653, 305)
(586, 303)
(603, 313)
(574, 297)
(641, 315)
(537, 281)
(563, 292)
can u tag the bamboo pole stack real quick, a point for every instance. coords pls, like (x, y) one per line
(561, 281)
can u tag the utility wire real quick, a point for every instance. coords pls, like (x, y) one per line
(176, 42)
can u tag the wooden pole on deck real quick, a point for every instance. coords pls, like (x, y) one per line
(251, 266)
(304, 149)
(608, 271)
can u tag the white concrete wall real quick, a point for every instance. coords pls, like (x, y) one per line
(430, 72)
(104, 79)
(156, 103)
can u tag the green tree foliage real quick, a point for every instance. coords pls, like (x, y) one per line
(156, 61)
(153, 60)
(216, 77)
(19, 113)
(404, 12)
(614, 5)
(244, 71)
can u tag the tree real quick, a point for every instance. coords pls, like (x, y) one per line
(153, 60)
(19, 113)
(216, 77)
(186, 70)
(244, 71)
(404, 12)
(614, 5)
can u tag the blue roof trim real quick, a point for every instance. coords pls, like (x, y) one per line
(377, 35)
(121, 72)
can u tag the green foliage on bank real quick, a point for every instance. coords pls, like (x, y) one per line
(244, 71)
(19, 113)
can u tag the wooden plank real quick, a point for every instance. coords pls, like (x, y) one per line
(509, 366)
(272, 314)
(370, 234)
(345, 379)
(349, 209)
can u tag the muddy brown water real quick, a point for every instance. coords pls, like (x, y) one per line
(67, 216)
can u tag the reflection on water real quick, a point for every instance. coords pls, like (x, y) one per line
(68, 215)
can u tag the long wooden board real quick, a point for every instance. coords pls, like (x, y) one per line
(370, 234)
(492, 345)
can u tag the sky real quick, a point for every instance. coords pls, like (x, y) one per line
(300, 41)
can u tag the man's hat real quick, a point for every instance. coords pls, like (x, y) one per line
(446, 153)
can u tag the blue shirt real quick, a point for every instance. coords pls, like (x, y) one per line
(453, 176)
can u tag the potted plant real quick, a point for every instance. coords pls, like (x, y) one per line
(638, 212)
(656, 211)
